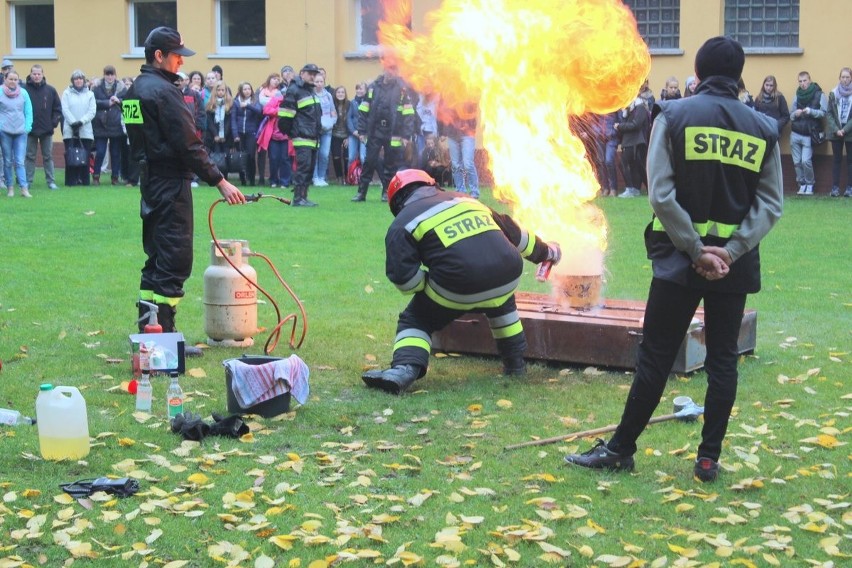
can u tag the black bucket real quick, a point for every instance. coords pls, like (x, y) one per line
(268, 408)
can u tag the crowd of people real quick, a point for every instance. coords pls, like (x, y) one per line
(813, 116)
(239, 130)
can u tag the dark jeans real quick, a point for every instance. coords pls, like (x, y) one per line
(280, 169)
(248, 144)
(116, 143)
(339, 158)
(837, 149)
(633, 165)
(668, 314)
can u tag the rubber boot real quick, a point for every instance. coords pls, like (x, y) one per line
(512, 351)
(395, 380)
(166, 318)
(361, 196)
(142, 321)
(514, 365)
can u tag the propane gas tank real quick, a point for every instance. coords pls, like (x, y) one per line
(230, 301)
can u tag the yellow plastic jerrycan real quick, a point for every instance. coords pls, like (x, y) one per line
(63, 426)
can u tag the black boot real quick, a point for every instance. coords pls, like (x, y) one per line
(360, 196)
(514, 365)
(143, 316)
(384, 196)
(395, 380)
(166, 317)
(512, 351)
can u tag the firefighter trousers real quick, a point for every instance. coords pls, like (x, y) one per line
(306, 159)
(390, 165)
(167, 225)
(668, 314)
(423, 316)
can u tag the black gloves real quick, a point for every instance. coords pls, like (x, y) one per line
(191, 427)
(230, 426)
(77, 124)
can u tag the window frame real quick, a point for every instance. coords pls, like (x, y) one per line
(30, 52)
(749, 36)
(238, 51)
(674, 49)
(133, 49)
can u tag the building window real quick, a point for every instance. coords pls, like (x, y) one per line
(32, 27)
(658, 22)
(368, 14)
(145, 15)
(241, 26)
(763, 23)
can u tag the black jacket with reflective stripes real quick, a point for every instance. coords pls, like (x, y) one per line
(162, 130)
(300, 113)
(458, 251)
(719, 146)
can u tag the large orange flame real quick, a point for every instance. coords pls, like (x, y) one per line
(529, 65)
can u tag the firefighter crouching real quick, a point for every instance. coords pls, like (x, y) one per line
(455, 255)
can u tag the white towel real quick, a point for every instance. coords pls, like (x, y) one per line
(253, 384)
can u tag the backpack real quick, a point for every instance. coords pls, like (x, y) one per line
(353, 175)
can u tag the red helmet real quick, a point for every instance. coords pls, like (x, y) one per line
(403, 179)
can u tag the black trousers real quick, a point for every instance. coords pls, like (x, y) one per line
(306, 159)
(248, 144)
(392, 162)
(423, 317)
(668, 315)
(167, 225)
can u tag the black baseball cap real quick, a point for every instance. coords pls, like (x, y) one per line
(167, 40)
(310, 68)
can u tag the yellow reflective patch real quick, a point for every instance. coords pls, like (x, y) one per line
(131, 110)
(726, 146)
(466, 225)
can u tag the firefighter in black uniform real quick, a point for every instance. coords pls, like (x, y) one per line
(385, 121)
(714, 172)
(300, 117)
(456, 256)
(165, 144)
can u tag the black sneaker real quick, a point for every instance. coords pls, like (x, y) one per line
(706, 470)
(601, 457)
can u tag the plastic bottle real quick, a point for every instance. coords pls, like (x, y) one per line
(174, 397)
(63, 426)
(13, 418)
(144, 392)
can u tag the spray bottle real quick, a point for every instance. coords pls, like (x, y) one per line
(153, 326)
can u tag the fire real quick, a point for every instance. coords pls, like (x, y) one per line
(529, 65)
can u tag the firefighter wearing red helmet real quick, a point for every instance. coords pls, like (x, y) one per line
(454, 255)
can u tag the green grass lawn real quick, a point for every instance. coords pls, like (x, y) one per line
(359, 475)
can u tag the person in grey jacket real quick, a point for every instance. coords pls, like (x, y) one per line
(78, 111)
